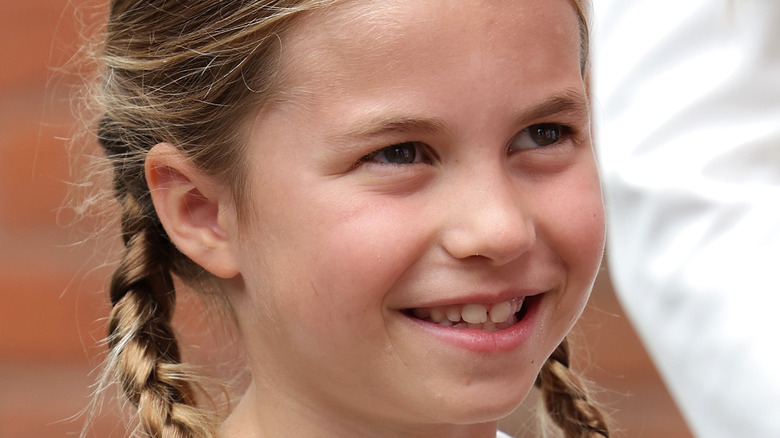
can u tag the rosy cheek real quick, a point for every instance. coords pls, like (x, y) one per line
(588, 237)
(590, 224)
(364, 250)
(574, 223)
(597, 223)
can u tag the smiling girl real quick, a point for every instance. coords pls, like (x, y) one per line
(398, 202)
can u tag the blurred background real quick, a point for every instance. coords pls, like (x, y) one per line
(52, 304)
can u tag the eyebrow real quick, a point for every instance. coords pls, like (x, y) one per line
(382, 125)
(569, 101)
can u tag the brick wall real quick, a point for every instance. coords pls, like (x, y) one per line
(51, 303)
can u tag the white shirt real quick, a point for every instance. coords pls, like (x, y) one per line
(687, 107)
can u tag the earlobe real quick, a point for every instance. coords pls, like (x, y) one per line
(196, 211)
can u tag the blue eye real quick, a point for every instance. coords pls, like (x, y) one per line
(401, 153)
(536, 136)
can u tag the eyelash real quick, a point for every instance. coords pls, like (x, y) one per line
(547, 135)
(544, 138)
(417, 154)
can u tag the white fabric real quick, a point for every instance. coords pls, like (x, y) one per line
(500, 434)
(687, 108)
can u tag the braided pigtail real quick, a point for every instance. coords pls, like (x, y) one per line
(145, 356)
(190, 74)
(566, 399)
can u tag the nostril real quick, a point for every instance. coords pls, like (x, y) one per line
(499, 237)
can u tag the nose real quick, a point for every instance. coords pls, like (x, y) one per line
(488, 217)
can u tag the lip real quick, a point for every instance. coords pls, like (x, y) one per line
(480, 341)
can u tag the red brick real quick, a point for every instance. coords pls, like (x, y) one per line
(47, 401)
(32, 177)
(45, 316)
(36, 36)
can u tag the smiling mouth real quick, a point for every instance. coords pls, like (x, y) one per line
(486, 317)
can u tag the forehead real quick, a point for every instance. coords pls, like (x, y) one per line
(388, 34)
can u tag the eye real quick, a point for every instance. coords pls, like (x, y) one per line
(402, 153)
(537, 136)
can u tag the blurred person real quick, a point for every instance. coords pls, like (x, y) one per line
(687, 104)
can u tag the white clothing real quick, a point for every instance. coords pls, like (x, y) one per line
(500, 434)
(687, 112)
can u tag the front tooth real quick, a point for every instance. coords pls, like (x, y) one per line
(500, 312)
(474, 313)
(453, 314)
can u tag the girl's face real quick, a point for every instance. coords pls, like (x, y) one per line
(426, 161)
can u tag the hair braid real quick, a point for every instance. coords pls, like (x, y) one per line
(145, 353)
(566, 399)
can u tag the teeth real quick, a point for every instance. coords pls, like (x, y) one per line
(501, 311)
(474, 316)
(517, 304)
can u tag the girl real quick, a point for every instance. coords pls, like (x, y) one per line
(397, 202)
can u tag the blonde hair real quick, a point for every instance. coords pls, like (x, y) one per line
(180, 73)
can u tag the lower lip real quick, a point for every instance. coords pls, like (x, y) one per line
(480, 341)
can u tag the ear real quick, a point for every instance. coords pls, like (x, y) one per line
(195, 209)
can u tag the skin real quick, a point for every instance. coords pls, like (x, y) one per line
(337, 243)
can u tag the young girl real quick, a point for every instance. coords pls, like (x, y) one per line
(397, 202)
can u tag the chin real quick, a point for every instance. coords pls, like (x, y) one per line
(482, 406)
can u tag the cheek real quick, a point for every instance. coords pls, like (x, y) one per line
(367, 248)
(570, 220)
(571, 224)
(339, 255)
